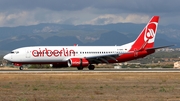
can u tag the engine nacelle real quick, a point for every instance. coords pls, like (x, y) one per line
(77, 62)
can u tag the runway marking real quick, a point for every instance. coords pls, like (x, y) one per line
(35, 72)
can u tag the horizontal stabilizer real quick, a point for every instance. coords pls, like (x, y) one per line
(154, 48)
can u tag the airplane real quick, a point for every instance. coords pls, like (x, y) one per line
(87, 56)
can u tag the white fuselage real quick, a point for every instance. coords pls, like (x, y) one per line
(62, 53)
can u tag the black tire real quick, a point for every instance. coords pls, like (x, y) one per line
(80, 68)
(91, 67)
(21, 68)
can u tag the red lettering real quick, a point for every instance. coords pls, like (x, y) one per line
(64, 52)
(72, 52)
(67, 52)
(50, 53)
(61, 51)
(56, 53)
(39, 52)
(35, 53)
(43, 52)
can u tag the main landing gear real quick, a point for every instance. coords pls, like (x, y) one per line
(80, 68)
(91, 67)
(21, 68)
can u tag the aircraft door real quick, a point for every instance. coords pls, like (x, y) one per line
(11, 56)
(28, 54)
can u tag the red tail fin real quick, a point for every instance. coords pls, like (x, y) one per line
(147, 36)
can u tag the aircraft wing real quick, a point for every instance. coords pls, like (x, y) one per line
(104, 58)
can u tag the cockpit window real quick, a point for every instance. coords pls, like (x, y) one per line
(12, 52)
(16, 52)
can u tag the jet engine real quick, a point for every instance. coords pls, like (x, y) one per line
(78, 62)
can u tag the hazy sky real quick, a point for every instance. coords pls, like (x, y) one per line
(31, 12)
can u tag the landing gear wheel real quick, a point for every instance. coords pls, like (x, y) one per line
(21, 68)
(80, 68)
(91, 67)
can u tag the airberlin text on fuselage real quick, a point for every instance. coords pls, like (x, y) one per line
(50, 53)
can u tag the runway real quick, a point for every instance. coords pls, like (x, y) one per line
(66, 70)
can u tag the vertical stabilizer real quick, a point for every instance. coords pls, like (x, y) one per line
(147, 36)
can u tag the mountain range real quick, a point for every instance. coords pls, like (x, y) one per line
(68, 35)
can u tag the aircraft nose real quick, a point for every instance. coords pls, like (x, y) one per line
(7, 57)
